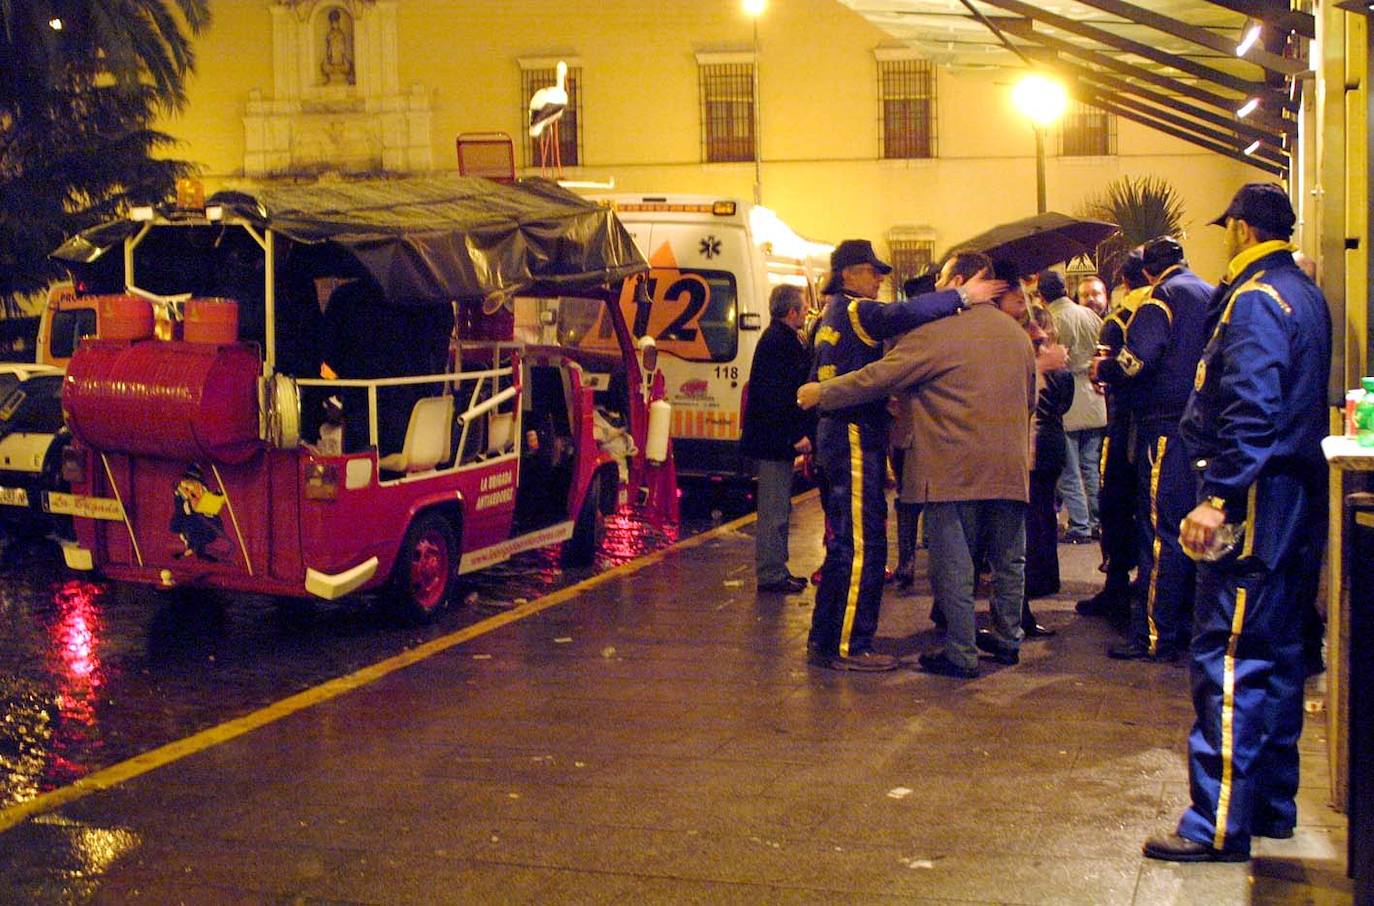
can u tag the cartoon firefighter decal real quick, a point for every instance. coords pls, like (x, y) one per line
(195, 515)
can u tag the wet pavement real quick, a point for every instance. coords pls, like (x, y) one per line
(92, 673)
(655, 736)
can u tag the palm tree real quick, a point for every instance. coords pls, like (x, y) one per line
(1143, 207)
(81, 83)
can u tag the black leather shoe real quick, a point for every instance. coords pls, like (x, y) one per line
(999, 651)
(1135, 651)
(1036, 631)
(1102, 604)
(789, 586)
(942, 665)
(863, 662)
(1173, 848)
(1273, 833)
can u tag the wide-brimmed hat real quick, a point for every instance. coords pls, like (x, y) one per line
(1263, 205)
(849, 253)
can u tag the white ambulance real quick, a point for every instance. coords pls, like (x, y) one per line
(712, 265)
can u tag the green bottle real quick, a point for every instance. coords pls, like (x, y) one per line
(1364, 414)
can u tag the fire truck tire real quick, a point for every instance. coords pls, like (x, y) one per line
(588, 530)
(426, 570)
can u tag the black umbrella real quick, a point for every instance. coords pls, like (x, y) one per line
(1035, 243)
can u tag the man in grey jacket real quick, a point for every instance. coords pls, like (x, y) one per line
(969, 382)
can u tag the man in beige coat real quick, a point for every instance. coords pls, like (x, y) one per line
(969, 382)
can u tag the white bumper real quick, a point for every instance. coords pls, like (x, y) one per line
(330, 587)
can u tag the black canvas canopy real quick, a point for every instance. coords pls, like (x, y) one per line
(430, 241)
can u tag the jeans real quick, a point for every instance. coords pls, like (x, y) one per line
(959, 532)
(1079, 482)
(775, 511)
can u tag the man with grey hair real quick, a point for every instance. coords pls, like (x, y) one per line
(775, 432)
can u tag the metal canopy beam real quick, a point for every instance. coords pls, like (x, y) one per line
(1221, 139)
(1110, 83)
(1215, 76)
(1024, 29)
(1226, 151)
(1275, 13)
(1192, 33)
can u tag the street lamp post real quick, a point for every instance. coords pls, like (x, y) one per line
(1043, 101)
(754, 9)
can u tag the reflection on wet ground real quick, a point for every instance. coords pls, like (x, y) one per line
(92, 673)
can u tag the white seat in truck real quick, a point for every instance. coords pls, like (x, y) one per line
(428, 437)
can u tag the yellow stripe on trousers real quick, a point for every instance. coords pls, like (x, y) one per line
(1228, 691)
(1154, 524)
(856, 531)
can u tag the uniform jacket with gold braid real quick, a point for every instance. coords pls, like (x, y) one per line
(851, 335)
(1259, 400)
(1164, 341)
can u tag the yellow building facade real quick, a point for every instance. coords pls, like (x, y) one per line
(426, 70)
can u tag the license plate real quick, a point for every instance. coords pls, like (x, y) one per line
(14, 497)
(86, 507)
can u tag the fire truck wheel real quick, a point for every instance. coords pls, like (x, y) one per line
(425, 572)
(588, 530)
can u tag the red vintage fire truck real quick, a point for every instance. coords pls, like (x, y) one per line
(323, 390)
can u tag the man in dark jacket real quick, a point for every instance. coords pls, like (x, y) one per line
(1253, 430)
(775, 430)
(1164, 341)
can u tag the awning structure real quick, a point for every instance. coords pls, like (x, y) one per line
(426, 241)
(1225, 75)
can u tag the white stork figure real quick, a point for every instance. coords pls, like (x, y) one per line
(546, 108)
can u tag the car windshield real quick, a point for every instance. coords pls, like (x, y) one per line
(34, 406)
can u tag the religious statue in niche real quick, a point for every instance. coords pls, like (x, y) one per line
(336, 65)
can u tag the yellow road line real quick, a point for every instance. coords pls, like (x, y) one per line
(206, 739)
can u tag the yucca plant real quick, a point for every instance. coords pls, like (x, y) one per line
(1143, 207)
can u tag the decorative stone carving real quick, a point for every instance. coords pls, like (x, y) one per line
(336, 63)
(336, 102)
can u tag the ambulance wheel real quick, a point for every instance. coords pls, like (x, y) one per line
(588, 530)
(426, 568)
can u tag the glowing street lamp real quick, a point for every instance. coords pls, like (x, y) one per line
(754, 9)
(1043, 100)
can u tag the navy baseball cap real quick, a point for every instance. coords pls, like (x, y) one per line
(1263, 205)
(849, 253)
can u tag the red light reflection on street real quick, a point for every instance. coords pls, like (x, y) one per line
(73, 659)
(630, 534)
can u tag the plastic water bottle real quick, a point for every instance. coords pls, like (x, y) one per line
(1364, 414)
(1224, 540)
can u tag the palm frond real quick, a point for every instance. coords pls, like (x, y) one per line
(1144, 207)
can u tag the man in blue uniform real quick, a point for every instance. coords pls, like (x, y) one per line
(851, 449)
(1253, 430)
(1164, 341)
